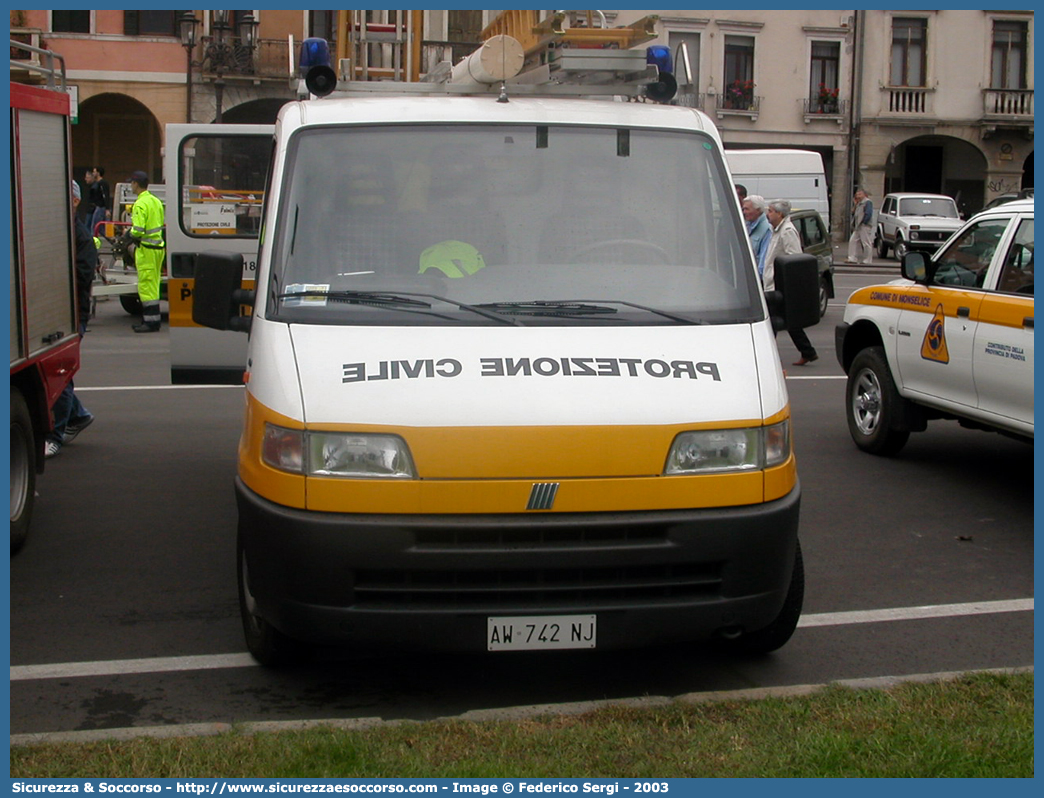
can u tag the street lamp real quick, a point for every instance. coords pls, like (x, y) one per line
(219, 54)
(187, 24)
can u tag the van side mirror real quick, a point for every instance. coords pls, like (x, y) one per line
(218, 293)
(915, 267)
(795, 302)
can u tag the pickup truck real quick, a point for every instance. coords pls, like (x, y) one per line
(952, 340)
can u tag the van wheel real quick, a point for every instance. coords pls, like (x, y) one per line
(882, 246)
(900, 249)
(824, 297)
(873, 404)
(265, 643)
(780, 630)
(131, 303)
(23, 470)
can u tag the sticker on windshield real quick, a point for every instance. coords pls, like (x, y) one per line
(934, 345)
(311, 294)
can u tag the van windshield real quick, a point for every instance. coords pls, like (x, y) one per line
(493, 224)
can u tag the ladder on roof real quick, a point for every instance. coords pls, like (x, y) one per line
(569, 46)
(563, 29)
(564, 54)
(388, 49)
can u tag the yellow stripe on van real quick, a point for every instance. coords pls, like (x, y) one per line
(448, 497)
(1005, 310)
(918, 298)
(493, 470)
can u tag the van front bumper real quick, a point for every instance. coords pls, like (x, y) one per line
(433, 582)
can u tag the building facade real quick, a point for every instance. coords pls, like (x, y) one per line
(932, 101)
(938, 101)
(946, 103)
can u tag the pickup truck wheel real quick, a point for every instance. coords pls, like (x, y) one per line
(882, 246)
(900, 248)
(23, 470)
(773, 636)
(873, 402)
(266, 644)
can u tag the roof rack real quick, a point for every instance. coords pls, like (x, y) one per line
(45, 65)
(519, 56)
(576, 73)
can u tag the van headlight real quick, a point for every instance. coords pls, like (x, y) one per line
(749, 449)
(337, 454)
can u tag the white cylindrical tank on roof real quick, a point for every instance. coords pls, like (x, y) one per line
(499, 58)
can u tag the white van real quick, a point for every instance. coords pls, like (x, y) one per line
(511, 381)
(795, 175)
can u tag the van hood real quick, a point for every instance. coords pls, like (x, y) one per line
(548, 376)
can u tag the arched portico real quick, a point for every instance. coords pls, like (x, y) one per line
(939, 165)
(254, 112)
(118, 133)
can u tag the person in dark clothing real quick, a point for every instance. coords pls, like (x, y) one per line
(70, 416)
(101, 198)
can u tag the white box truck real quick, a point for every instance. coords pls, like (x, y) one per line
(795, 175)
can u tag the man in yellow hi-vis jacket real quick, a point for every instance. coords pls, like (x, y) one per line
(147, 232)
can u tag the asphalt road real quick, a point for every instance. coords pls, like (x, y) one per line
(131, 557)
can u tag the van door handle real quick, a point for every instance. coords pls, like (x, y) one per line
(963, 313)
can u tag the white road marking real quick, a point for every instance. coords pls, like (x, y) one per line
(915, 613)
(122, 667)
(71, 670)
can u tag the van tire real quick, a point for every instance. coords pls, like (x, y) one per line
(780, 630)
(824, 297)
(265, 643)
(873, 405)
(23, 470)
(131, 303)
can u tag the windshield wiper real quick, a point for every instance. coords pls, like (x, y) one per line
(359, 298)
(578, 307)
(547, 308)
(404, 300)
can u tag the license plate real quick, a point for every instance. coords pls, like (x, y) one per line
(530, 632)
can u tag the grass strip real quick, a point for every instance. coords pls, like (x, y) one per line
(976, 726)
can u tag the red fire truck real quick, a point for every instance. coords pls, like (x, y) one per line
(45, 346)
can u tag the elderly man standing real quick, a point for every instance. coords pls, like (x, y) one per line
(758, 228)
(785, 241)
(861, 243)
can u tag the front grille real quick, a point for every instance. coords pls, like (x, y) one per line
(540, 588)
(934, 235)
(528, 536)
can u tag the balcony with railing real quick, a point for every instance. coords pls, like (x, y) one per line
(831, 109)
(1008, 104)
(907, 100)
(738, 99)
(1009, 109)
